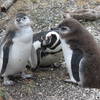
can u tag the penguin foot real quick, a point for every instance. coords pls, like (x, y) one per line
(26, 76)
(71, 81)
(8, 83)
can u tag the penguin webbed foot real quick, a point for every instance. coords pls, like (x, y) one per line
(71, 81)
(8, 82)
(26, 76)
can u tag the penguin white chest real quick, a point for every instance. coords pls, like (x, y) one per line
(19, 52)
(67, 52)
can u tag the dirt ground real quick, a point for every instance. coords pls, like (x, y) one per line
(47, 83)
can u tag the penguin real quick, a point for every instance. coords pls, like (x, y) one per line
(47, 47)
(15, 48)
(75, 36)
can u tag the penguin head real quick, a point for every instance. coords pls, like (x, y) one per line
(63, 29)
(51, 39)
(22, 20)
(69, 26)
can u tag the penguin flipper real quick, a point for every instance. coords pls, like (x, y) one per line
(33, 58)
(76, 58)
(7, 42)
(5, 55)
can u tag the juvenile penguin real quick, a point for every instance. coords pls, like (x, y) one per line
(47, 47)
(15, 48)
(75, 36)
(71, 61)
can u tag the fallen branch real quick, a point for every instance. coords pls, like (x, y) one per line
(6, 5)
(86, 14)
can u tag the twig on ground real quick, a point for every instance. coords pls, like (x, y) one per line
(6, 5)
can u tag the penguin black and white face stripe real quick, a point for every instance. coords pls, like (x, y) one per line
(15, 48)
(52, 41)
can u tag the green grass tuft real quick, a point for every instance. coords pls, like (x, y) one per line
(2, 92)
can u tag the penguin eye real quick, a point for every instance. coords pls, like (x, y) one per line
(63, 28)
(24, 18)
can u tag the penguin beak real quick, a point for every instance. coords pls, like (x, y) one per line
(43, 41)
(46, 41)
